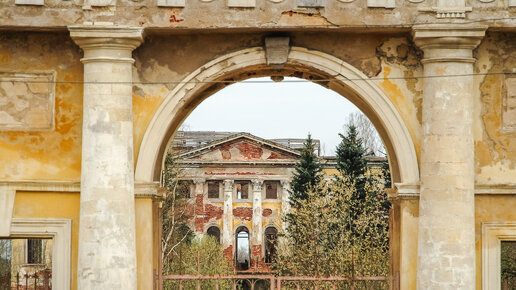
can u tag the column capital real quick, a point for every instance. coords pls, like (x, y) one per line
(198, 181)
(448, 42)
(228, 184)
(106, 43)
(257, 184)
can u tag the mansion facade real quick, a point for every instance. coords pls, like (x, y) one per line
(239, 185)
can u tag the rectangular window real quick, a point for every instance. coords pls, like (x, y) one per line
(25, 262)
(35, 254)
(508, 264)
(271, 189)
(213, 189)
(242, 189)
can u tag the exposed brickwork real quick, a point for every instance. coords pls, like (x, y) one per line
(256, 251)
(250, 151)
(267, 212)
(199, 204)
(211, 211)
(199, 224)
(244, 213)
(228, 253)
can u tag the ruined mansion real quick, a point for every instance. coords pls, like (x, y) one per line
(92, 93)
(238, 185)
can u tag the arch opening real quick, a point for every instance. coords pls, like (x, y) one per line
(318, 67)
(271, 238)
(242, 249)
(214, 232)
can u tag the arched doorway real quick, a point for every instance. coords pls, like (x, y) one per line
(316, 66)
(271, 237)
(242, 249)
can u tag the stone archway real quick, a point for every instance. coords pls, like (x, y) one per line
(313, 65)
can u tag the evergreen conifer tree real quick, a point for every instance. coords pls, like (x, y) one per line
(350, 154)
(307, 173)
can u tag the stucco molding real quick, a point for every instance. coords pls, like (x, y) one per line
(492, 235)
(141, 189)
(7, 195)
(60, 230)
(402, 153)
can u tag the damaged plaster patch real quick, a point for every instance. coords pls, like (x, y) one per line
(303, 18)
(495, 153)
(26, 101)
(401, 67)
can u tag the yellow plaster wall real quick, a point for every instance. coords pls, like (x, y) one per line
(495, 149)
(52, 205)
(409, 213)
(66, 205)
(55, 154)
(491, 208)
(488, 208)
(144, 242)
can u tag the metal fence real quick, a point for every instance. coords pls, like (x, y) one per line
(264, 282)
(36, 281)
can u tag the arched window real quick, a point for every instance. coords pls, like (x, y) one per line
(242, 253)
(214, 232)
(271, 237)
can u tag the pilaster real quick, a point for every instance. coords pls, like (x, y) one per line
(107, 250)
(446, 232)
(227, 218)
(285, 200)
(257, 212)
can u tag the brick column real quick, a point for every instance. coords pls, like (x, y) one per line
(107, 250)
(257, 231)
(227, 219)
(446, 238)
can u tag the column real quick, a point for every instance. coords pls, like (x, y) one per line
(227, 219)
(285, 201)
(199, 206)
(446, 238)
(107, 251)
(257, 232)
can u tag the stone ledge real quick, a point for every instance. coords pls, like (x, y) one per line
(141, 189)
(413, 190)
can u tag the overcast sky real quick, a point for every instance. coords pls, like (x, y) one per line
(275, 110)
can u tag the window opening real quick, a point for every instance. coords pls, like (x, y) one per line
(213, 189)
(25, 262)
(271, 190)
(214, 232)
(242, 249)
(271, 237)
(508, 265)
(35, 254)
(242, 189)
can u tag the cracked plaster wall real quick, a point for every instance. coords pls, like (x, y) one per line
(495, 148)
(54, 154)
